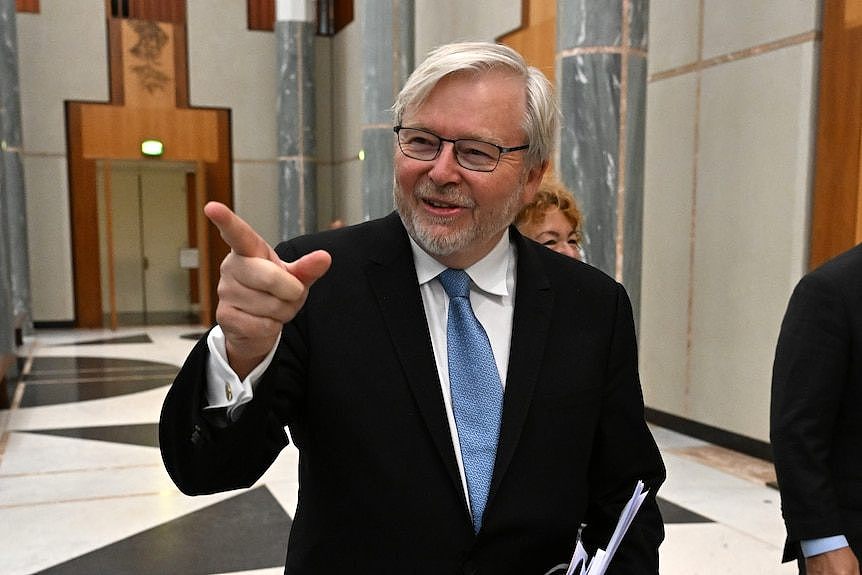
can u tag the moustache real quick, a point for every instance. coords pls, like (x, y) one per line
(450, 193)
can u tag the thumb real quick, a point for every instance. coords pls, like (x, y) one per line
(310, 267)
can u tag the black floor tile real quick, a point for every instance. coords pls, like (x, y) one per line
(145, 434)
(140, 338)
(36, 395)
(57, 380)
(673, 513)
(55, 367)
(242, 533)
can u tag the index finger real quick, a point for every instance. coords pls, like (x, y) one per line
(236, 232)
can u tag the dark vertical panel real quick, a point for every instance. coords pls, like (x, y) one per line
(27, 6)
(85, 226)
(261, 15)
(160, 10)
(343, 15)
(333, 15)
(192, 233)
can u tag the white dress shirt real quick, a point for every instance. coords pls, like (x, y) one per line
(492, 296)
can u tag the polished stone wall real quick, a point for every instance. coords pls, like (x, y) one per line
(729, 160)
(13, 206)
(296, 145)
(602, 89)
(387, 50)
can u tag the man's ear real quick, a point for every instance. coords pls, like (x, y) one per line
(532, 181)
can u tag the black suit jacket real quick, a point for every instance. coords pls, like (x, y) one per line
(356, 382)
(816, 427)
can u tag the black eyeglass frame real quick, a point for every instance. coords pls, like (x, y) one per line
(501, 149)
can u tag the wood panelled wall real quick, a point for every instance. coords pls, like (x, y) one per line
(149, 98)
(837, 211)
(173, 11)
(536, 39)
(332, 15)
(261, 15)
(27, 6)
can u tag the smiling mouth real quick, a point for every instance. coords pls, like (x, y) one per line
(440, 204)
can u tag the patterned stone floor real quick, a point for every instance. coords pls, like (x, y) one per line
(83, 490)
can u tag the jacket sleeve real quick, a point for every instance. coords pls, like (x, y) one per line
(810, 374)
(202, 454)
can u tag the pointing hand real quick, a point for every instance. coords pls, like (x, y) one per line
(258, 292)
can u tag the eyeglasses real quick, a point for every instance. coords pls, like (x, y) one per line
(474, 155)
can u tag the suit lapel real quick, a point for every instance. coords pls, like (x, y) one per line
(534, 302)
(392, 275)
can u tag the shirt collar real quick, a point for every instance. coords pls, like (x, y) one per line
(489, 273)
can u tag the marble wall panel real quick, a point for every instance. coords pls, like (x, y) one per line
(233, 67)
(255, 192)
(381, 80)
(295, 103)
(633, 166)
(7, 305)
(52, 45)
(14, 219)
(589, 23)
(297, 181)
(296, 93)
(671, 115)
(378, 167)
(731, 25)
(48, 234)
(346, 116)
(753, 194)
(444, 21)
(673, 33)
(589, 88)
(638, 21)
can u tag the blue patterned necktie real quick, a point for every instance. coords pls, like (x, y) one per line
(477, 394)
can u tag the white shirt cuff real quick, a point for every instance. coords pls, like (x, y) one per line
(224, 388)
(812, 547)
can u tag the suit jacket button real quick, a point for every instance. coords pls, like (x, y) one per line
(196, 435)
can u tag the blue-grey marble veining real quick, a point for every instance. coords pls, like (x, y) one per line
(589, 87)
(638, 20)
(14, 212)
(377, 172)
(298, 210)
(634, 180)
(582, 23)
(7, 315)
(16, 224)
(295, 124)
(609, 185)
(388, 38)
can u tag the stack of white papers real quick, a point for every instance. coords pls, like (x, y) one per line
(581, 564)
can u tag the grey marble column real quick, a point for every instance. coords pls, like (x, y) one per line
(387, 34)
(297, 170)
(601, 77)
(14, 207)
(7, 309)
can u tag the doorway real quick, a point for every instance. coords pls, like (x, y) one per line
(147, 254)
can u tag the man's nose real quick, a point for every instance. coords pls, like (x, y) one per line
(445, 168)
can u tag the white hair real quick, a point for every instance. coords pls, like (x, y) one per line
(541, 117)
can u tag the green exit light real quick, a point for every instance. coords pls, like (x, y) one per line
(152, 147)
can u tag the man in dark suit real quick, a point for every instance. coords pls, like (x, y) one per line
(816, 429)
(356, 365)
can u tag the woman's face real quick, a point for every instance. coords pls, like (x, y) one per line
(554, 231)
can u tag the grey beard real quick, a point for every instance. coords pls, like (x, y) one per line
(447, 243)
